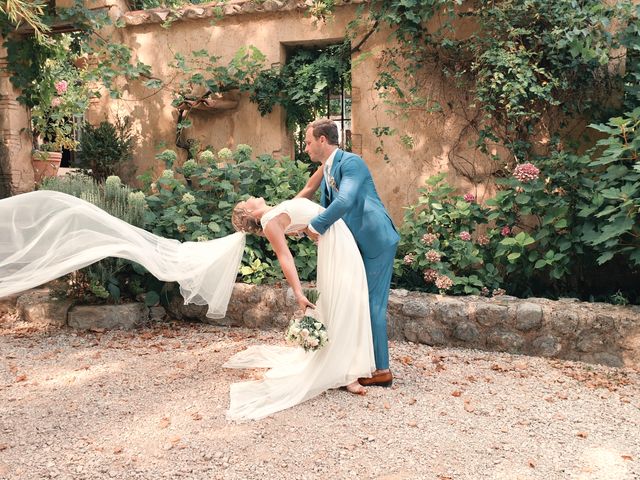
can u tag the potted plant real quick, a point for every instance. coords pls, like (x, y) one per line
(60, 94)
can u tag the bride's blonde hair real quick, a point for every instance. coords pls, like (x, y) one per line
(242, 220)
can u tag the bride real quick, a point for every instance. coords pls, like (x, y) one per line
(343, 306)
(47, 234)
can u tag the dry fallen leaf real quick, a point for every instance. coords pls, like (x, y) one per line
(412, 401)
(386, 405)
(456, 393)
(406, 360)
(164, 422)
(196, 416)
(21, 378)
(117, 450)
(582, 434)
(3, 446)
(412, 423)
(531, 464)
(629, 458)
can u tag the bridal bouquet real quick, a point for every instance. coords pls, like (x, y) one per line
(308, 332)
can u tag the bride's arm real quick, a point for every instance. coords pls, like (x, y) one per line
(309, 190)
(274, 231)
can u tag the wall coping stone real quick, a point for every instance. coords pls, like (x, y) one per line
(213, 9)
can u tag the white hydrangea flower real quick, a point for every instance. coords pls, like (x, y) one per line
(167, 174)
(188, 198)
(113, 181)
(225, 154)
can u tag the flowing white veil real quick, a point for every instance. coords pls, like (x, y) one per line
(45, 235)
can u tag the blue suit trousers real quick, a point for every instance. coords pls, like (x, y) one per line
(379, 271)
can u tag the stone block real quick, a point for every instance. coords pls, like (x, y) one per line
(157, 314)
(424, 331)
(466, 331)
(528, 317)
(416, 308)
(603, 358)
(490, 315)
(590, 342)
(546, 346)
(564, 322)
(450, 312)
(39, 308)
(257, 317)
(178, 310)
(504, 341)
(126, 316)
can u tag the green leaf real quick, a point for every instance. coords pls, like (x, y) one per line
(151, 298)
(540, 264)
(512, 257)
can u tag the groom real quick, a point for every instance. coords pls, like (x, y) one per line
(348, 193)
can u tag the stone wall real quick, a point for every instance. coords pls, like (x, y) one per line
(565, 329)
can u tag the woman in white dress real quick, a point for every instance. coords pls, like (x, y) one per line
(45, 235)
(343, 306)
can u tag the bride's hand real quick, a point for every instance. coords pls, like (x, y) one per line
(303, 302)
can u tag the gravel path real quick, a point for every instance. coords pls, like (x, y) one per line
(151, 404)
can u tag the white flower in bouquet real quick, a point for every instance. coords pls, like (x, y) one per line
(308, 332)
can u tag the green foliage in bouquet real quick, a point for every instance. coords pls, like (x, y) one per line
(308, 332)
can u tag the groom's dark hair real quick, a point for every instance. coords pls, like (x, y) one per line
(326, 127)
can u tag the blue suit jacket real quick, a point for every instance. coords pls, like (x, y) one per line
(352, 196)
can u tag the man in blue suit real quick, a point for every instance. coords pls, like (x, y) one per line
(348, 192)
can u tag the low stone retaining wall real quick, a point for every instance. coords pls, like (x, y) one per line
(565, 329)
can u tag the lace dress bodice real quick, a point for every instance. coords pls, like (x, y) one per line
(299, 210)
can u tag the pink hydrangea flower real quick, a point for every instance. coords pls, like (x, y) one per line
(429, 238)
(466, 236)
(61, 86)
(505, 231)
(483, 240)
(469, 197)
(526, 172)
(443, 282)
(433, 256)
(56, 101)
(408, 259)
(430, 275)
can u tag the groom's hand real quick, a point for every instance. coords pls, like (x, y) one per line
(312, 235)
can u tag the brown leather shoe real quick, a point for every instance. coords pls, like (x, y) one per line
(384, 379)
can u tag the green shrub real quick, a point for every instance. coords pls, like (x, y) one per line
(200, 208)
(111, 279)
(556, 228)
(107, 148)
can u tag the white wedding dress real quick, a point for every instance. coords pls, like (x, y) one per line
(294, 375)
(45, 235)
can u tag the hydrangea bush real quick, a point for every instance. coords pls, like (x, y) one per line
(556, 227)
(193, 202)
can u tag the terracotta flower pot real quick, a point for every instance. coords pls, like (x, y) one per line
(45, 164)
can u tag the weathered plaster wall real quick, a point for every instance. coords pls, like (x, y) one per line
(278, 25)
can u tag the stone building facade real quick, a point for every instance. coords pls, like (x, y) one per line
(273, 27)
